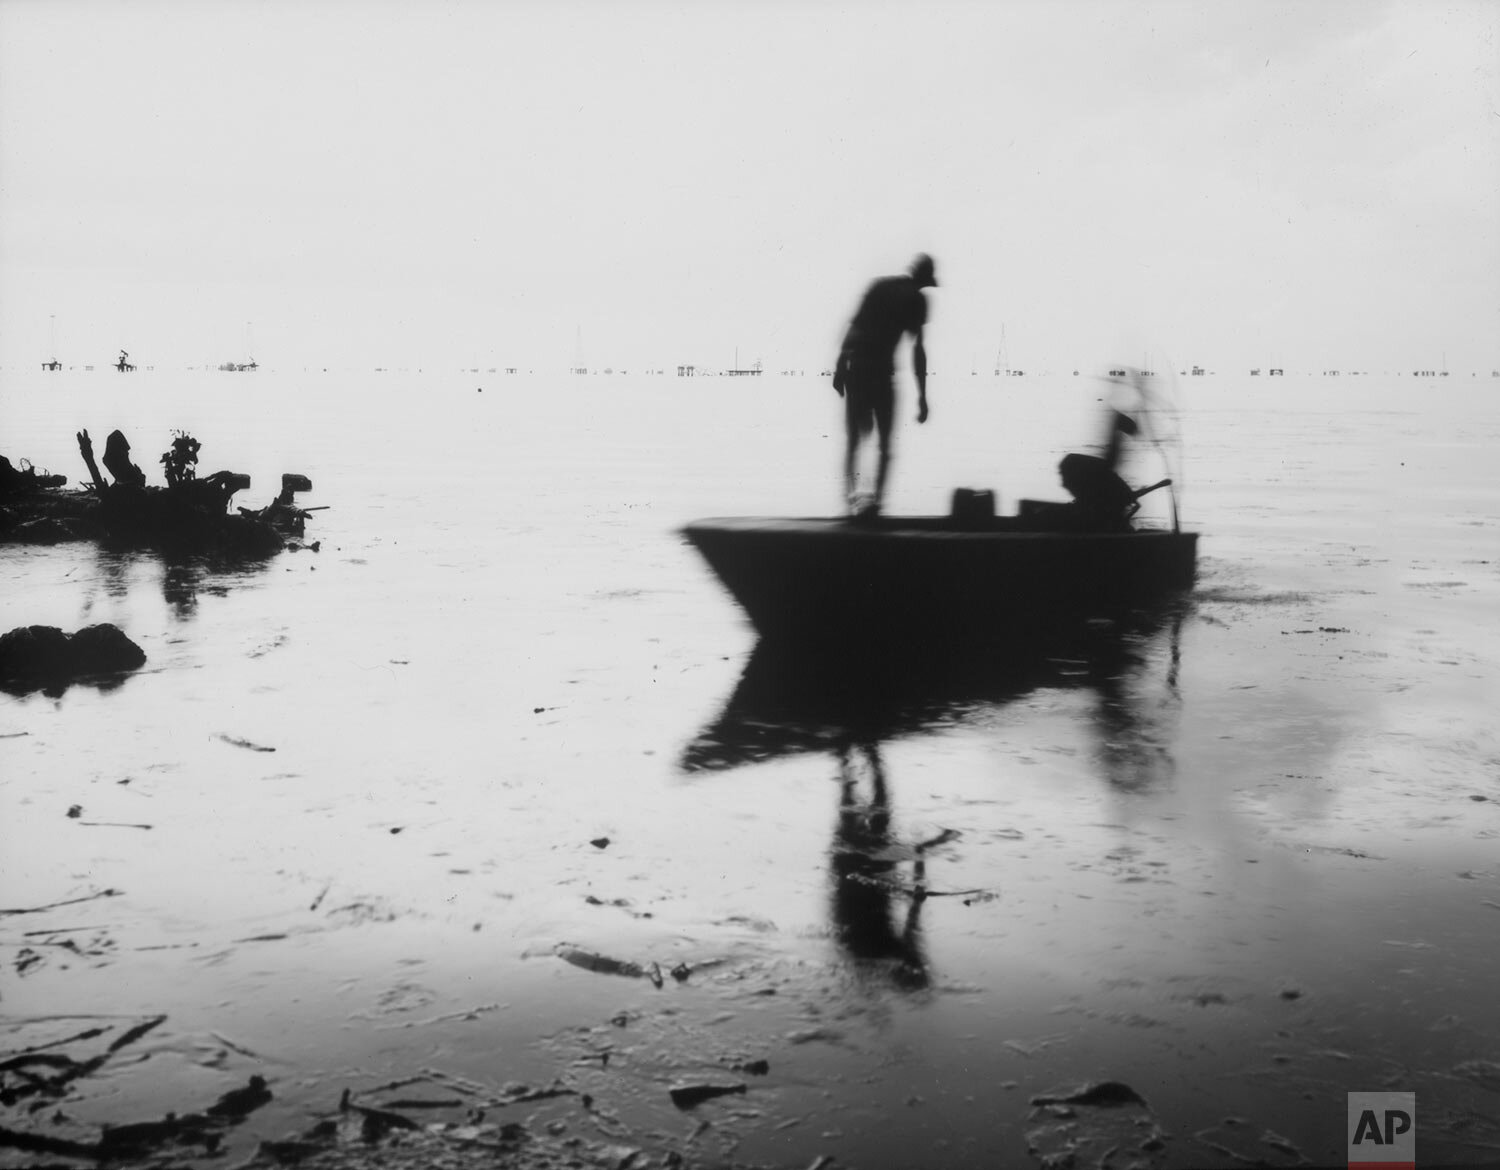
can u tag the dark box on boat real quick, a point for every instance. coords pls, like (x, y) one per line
(973, 507)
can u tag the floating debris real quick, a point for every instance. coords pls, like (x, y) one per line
(109, 893)
(242, 1102)
(1107, 1094)
(600, 964)
(688, 1096)
(236, 741)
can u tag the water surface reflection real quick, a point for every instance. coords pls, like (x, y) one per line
(788, 702)
(180, 579)
(880, 937)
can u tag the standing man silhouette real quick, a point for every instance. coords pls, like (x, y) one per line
(865, 375)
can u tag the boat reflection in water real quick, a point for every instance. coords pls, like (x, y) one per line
(791, 701)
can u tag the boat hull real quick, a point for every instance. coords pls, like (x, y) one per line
(927, 581)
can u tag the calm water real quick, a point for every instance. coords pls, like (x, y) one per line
(1245, 863)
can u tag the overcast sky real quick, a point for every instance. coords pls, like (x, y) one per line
(384, 183)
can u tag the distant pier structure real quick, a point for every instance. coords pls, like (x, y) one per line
(687, 371)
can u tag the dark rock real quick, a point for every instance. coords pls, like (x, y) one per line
(39, 655)
(33, 652)
(104, 649)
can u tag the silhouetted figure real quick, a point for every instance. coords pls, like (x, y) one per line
(865, 374)
(1102, 501)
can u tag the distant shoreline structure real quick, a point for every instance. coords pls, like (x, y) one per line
(788, 368)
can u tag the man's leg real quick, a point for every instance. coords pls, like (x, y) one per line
(857, 424)
(851, 458)
(885, 411)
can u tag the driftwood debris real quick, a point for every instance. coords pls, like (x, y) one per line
(50, 1075)
(117, 460)
(687, 1096)
(189, 513)
(109, 893)
(26, 479)
(86, 449)
(1106, 1094)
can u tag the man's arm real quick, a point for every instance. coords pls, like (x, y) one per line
(919, 367)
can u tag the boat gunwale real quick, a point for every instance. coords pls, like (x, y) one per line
(906, 528)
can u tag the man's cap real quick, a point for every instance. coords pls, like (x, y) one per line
(921, 269)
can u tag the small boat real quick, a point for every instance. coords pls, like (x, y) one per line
(970, 579)
(939, 580)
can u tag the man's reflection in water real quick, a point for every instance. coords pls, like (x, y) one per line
(866, 874)
(787, 703)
